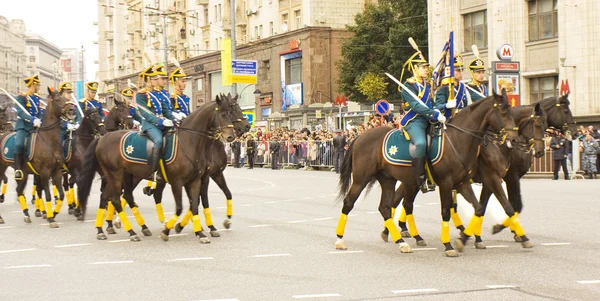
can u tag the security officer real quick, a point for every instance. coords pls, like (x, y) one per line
(475, 87)
(442, 96)
(179, 101)
(419, 111)
(127, 95)
(250, 151)
(90, 100)
(274, 148)
(27, 121)
(339, 148)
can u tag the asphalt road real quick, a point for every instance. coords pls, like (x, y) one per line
(281, 247)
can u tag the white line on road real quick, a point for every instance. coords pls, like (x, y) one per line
(119, 240)
(588, 281)
(271, 255)
(111, 262)
(218, 300)
(345, 252)
(417, 290)
(28, 266)
(296, 222)
(7, 227)
(352, 214)
(246, 205)
(17, 211)
(315, 296)
(372, 212)
(424, 249)
(556, 244)
(192, 259)
(49, 224)
(19, 250)
(271, 202)
(72, 245)
(259, 226)
(495, 286)
(89, 221)
(178, 234)
(432, 203)
(496, 246)
(323, 218)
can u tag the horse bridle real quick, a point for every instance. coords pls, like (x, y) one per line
(214, 134)
(530, 144)
(499, 135)
(565, 126)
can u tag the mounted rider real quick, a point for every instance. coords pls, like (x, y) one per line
(180, 101)
(90, 100)
(27, 121)
(459, 98)
(477, 90)
(68, 120)
(419, 111)
(155, 110)
(127, 95)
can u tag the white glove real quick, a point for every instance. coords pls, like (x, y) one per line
(37, 122)
(177, 116)
(136, 123)
(168, 123)
(72, 127)
(439, 116)
(451, 104)
(182, 116)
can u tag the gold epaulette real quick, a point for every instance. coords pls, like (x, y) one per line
(445, 81)
(411, 80)
(142, 91)
(472, 84)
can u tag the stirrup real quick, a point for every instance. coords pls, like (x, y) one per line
(18, 175)
(426, 186)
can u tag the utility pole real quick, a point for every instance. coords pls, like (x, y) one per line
(166, 51)
(232, 15)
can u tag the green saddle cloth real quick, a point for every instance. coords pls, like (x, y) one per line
(135, 148)
(8, 147)
(396, 148)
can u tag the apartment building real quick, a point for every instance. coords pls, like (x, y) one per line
(43, 58)
(72, 64)
(12, 55)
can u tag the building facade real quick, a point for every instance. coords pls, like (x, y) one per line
(43, 58)
(12, 54)
(72, 64)
(554, 40)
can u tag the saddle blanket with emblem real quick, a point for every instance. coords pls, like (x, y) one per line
(136, 149)
(8, 147)
(397, 149)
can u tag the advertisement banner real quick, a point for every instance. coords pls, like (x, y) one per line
(509, 82)
(293, 94)
(226, 65)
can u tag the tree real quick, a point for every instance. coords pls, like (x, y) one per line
(372, 86)
(380, 44)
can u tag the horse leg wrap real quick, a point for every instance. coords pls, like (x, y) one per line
(110, 213)
(229, 211)
(152, 184)
(4, 188)
(186, 219)
(34, 191)
(39, 204)
(477, 229)
(412, 227)
(445, 232)
(208, 217)
(402, 217)
(23, 202)
(49, 211)
(100, 217)
(59, 203)
(393, 213)
(138, 217)
(125, 221)
(470, 230)
(514, 221)
(394, 233)
(70, 196)
(123, 203)
(171, 223)
(510, 224)
(196, 223)
(455, 218)
(341, 226)
(160, 212)
(54, 191)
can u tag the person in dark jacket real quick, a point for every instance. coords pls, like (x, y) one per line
(274, 150)
(559, 146)
(237, 149)
(250, 151)
(339, 147)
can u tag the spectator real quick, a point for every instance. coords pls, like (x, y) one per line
(590, 150)
(274, 150)
(558, 145)
(236, 149)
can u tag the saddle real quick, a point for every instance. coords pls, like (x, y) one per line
(135, 147)
(8, 147)
(398, 150)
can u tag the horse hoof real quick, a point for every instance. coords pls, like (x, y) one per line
(117, 224)
(497, 228)
(527, 244)
(1, 198)
(101, 236)
(134, 238)
(405, 234)
(178, 228)
(53, 225)
(147, 232)
(111, 230)
(32, 201)
(480, 246)
(164, 236)
(421, 243)
(517, 238)
(460, 246)
(147, 191)
(71, 211)
(44, 216)
(27, 220)
(38, 214)
(204, 240)
(227, 223)
(340, 245)
(80, 218)
(214, 234)
(384, 236)
(1, 220)
(451, 253)
(405, 248)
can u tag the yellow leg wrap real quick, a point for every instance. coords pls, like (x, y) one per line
(470, 230)
(208, 217)
(34, 190)
(59, 203)
(510, 224)
(394, 233)
(123, 203)
(514, 220)
(4, 188)
(110, 213)
(341, 227)
(138, 217)
(160, 212)
(100, 217)
(445, 232)
(402, 217)
(506, 222)
(153, 184)
(186, 218)
(39, 204)
(171, 223)
(125, 221)
(54, 191)
(455, 218)
(393, 213)
(229, 211)
(70, 196)
(412, 227)
(23, 202)
(196, 222)
(477, 230)
(149, 184)
(49, 211)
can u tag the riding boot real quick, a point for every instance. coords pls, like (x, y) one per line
(154, 159)
(418, 165)
(18, 166)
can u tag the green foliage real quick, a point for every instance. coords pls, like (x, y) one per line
(380, 44)
(372, 86)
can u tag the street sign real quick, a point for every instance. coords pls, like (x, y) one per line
(383, 107)
(244, 71)
(564, 87)
(506, 75)
(505, 52)
(250, 117)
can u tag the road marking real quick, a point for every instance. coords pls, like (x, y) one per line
(417, 290)
(298, 221)
(72, 245)
(17, 211)
(246, 205)
(271, 255)
(260, 226)
(271, 202)
(14, 251)
(323, 218)
(416, 206)
(89, 221)
(372, 212)
(111, 262)
(315, 296)
(424, 249)
(588, 281)
(178, 234)
(49, 224)
(28, 266)
(7, 227)
(119, 240)
(218, 300)
(497, 246)
(556, 244)
(432, 203)
(192, 259)
(495, 286)
(352, 214)
(345, 252)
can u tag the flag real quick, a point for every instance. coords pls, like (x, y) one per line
(446, 59)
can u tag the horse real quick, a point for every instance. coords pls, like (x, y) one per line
(5, 126)
(184, 171)
(364, 162)
(47, 160)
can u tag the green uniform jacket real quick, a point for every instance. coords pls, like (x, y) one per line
(151, 114)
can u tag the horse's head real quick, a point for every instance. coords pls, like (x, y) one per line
(92, 122)
(57, 104)
(222, 120)
(500, 119)
(558, 111)
(533, 129)
(118, 117)
(237, 117)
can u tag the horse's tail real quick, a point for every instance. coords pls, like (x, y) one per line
(346, 173)
(86, 176)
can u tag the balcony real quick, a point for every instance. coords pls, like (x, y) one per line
(108, 12)
(108, 35)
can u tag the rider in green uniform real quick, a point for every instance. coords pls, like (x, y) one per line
(28, 120)
(127, 95)
(476, 88)
(459, 98)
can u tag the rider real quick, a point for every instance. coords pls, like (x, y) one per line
(67, 125)
(90, 100)
(442, 96)
(155, 110)
(27, 121)
(180, 101)
(127, 95)
(418, 107)
(476, 88)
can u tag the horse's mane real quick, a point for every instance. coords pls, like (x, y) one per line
(469, 108)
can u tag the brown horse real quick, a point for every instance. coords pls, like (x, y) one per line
(47, 160)
(364, 162)
(5, 126)
(186, 170)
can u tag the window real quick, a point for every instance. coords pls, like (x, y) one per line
(543, 19)
(543, 87)
(260, 31)
(476, 30)
(293, 71)
(216, 13)
(298, 17)
(199, 84)
(206, 46)
(256, 35)
(271, 29)
(219, 13)
(284, 20)
(206, 16)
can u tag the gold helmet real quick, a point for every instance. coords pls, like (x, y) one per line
(32, 80)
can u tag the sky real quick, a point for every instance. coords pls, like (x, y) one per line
(65, 23)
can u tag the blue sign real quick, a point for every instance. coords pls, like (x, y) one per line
(382, 107)
(244, 71)
(250, 117)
